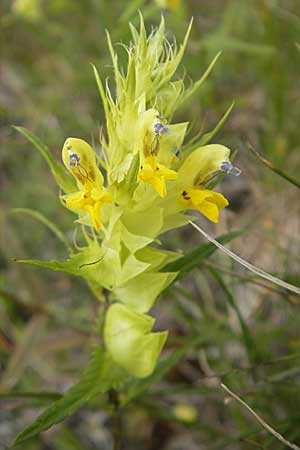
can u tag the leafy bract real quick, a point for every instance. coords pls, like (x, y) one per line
(129, 340)
(135, 388)
(134, 294)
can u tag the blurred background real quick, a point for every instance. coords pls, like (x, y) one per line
(249, 329)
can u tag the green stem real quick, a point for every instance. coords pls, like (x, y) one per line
(116, 419)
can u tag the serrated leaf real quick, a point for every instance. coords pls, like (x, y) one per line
(99, 377)
(63, 179)
(194, 258)
(77, 265)
(69, 266)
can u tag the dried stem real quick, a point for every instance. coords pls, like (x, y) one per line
(260, 420)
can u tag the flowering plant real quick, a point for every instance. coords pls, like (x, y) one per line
(139, 186)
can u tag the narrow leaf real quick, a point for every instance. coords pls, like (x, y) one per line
(101, 91)
(190, 92)
(207, 137)
(100, 376)
(63, 179)
(69, 266)
(41, 218)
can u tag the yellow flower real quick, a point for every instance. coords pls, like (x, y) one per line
(91, 199)
(79, 159)
(207, 202)
(156, 174)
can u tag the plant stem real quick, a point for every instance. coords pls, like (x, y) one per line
(116, 419)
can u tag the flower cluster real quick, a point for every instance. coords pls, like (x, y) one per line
(149, 180)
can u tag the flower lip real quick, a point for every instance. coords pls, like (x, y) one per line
(205, 201)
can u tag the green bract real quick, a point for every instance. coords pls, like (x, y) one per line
(129, 339)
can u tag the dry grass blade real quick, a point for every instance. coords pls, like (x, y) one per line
(260, 420)
(275, 169)
(22, 352)
(254, 269)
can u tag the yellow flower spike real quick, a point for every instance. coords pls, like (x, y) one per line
(156, 174)
(207, 202)
(79, 158)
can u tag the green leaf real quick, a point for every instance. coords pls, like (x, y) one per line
(101, 91)
(194, 258)
(207, 137)
(70, 266)
(41, 218)
(98, 378)
(79, 264)
(63, 179)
